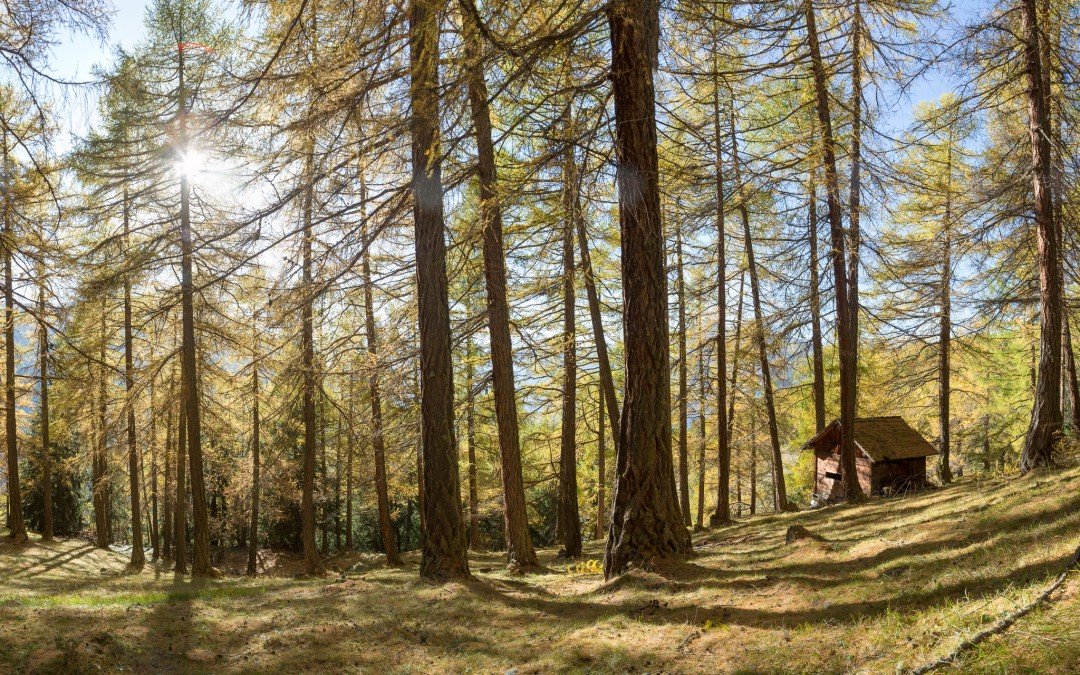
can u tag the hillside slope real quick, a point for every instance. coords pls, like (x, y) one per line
(894, 584)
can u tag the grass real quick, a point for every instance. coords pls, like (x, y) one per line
(896, 583)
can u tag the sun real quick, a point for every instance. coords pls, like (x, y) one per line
(191, 163)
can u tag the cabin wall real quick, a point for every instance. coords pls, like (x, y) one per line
(898, 473)
(829, 484)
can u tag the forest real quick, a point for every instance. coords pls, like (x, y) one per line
(540, 336)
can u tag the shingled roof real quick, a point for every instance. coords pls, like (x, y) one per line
(883, 438)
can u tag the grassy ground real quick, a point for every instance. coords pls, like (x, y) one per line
(897, 583)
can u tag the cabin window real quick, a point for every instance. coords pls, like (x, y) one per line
(833, 475)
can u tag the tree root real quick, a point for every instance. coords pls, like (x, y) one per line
(1003, 623)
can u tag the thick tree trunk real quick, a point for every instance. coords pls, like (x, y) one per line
(684, 450)
(780, 501)
(43, 372)
(844, 314)
(256, 446)
(443, 553)
(519, 548)
(378, 444)
(645, 518)
(722, 514)
(569, 517)
(1071, 387)
(138, 556)
(1044, 432)
(855, 194)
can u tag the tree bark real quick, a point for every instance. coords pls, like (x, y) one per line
(818, 350)
(155, 532)
(350, 458)
(256, 441)
(569, 518)
(312, 563)
(470, 444)
(601, 463)
(100, 470)
(180, 515)
(443, 554)
(16, 524)
(700, 523)
(138, 556)
(780, 501)
(684, 450)
(845, 333)
(722, 514)
(1044, 432)
(945, 329)
(378, 444)
(167, 524)
(519, 548)
(855, 194)
(43, 372)
(646, 524)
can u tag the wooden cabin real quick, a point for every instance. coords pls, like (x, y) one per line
(889, 456)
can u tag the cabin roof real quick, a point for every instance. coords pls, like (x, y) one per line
(882, 438)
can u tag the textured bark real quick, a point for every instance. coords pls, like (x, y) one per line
(43, 374)
(443, 553)
(607, 380)
(569, 516)
(519, 548)
(945, 329)
(350, 459)
(167, 516)
(200, 563)
(1044, 432)
(470, 444)
(844, 329)
(700, 523)
(256, 441)
(138, 556)
(154, 530)
(16, 524)
(780, 501)
(684, 450)
(601, 464)
(312, 564)
(722, 514)
(100, 470)
(646, 524)
(855, 193)
(378, 443)
(817, 348)
(180, 513)
(1071, 387)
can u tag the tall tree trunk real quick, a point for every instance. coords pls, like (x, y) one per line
(200, 563)
(845, 333)
(722, 514)
(1071, 387)
(378, 444)
(1044, 432)
(256, 446)
(43, 372)
(16, 524)
(100, 473)
(519, 548)
(569, 517)
(607, 380)
(601, 463)
(684, 450)
(700, 523)
(945, 329)
(350, 458)
(138, 556)
(730, 430)
(167, 524)
(155, 532)
(780, 501)
(855, 194)
(818, 351)
(324, 523)
(470, 443)
(312, 564)
(646, 524)
(180, 512)
(443, 553)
